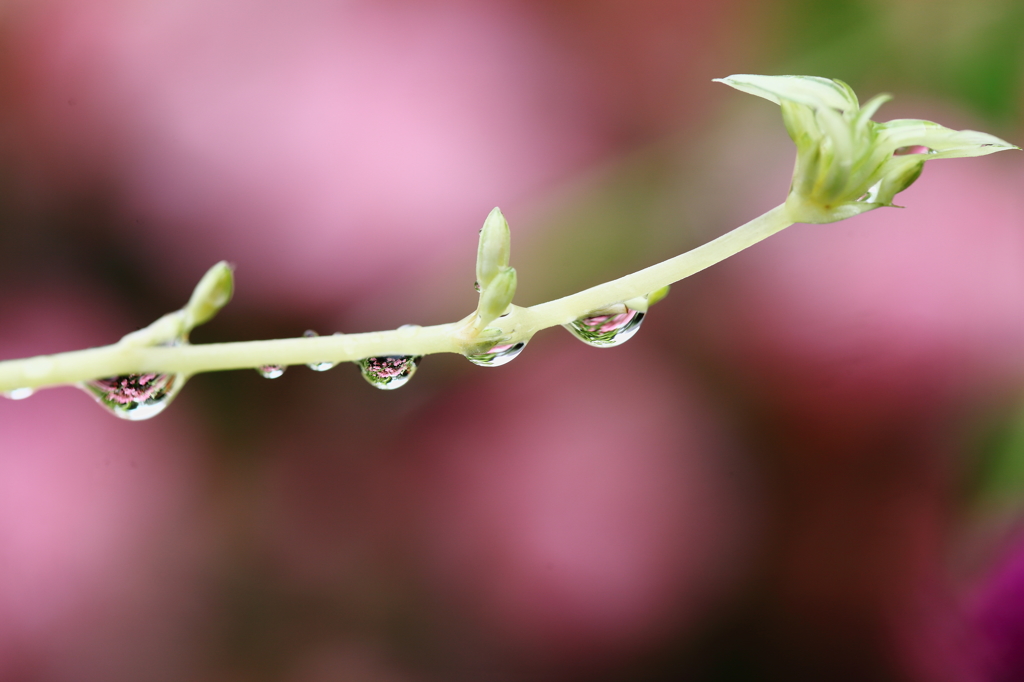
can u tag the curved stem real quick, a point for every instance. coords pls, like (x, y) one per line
(565, 310)
(458, 337)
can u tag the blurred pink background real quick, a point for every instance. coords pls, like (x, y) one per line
(807, 465)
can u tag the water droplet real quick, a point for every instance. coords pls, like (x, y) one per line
(270, 371)
(135, 396)
(607, 328)
(321, 366)
(498, 355)
(871, 196)
(476, 286)
(389, 372)
(317, 366)
(19, 393)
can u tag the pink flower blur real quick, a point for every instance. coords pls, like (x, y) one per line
(579, 504)
(98, 555)
(890, 308)
(322, 148)
(863, 345)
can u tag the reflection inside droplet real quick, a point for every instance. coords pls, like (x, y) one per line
(498, 355)
(135, 396)
(270, 371)
(389, 372)
(607, 328)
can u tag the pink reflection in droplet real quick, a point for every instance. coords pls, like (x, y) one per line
(608, 323)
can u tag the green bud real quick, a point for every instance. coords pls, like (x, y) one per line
(211, 294)
(496, 297)
(495, 246)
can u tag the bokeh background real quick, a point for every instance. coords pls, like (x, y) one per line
(808, 465)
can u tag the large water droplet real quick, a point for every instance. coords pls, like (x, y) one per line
(389, 372)
(317, 366)
(270, 371)
(607, 328)
(19, 393)
(498, 355)
(135, 396)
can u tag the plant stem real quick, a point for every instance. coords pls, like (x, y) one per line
(520, 324)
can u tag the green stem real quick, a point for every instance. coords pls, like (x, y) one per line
(457, 337)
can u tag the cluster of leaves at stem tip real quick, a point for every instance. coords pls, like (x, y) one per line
(846, 164)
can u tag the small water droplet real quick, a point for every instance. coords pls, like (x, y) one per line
(871, 196)
(607, 328)
(476, 286)
(19, 393)
(321, 366)
(270, 371)
(135, 396)
(317, 366)
(389, 372)
(498, 355)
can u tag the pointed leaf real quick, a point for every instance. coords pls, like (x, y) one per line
(810, 90)
(946, 143)
(871, 108)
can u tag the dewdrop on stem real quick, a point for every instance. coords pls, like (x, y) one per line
(389, 372)
(144, 395)
(135, 396)
(616, 324)
(322, 366)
